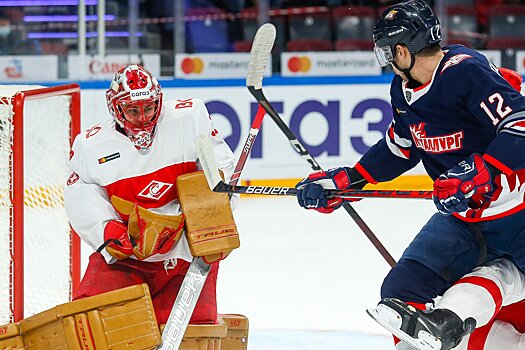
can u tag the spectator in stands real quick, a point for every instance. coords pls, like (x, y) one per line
(12, 41)
(482, 12)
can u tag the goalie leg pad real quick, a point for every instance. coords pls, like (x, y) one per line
(203, 336)
(10, 337)
(210, 226)
(237, 336)
(230, 333)
(117, 320)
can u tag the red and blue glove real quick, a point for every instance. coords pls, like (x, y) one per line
(454, 188)
(310, 191)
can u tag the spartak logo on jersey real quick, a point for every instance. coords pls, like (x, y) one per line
(72, 179)
(436, 144)
(155, 190)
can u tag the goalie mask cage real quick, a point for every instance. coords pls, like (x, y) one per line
(39, 253)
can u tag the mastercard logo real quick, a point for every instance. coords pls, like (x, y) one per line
(299, 64)
(192, 65)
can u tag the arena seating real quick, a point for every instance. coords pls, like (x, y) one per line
(462, 26)
(353, 27)
(209, 34)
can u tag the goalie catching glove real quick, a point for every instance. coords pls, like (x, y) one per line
(146, 233)
(310, 191)
(455, 188)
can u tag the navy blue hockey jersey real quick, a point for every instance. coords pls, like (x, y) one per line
(467, 107)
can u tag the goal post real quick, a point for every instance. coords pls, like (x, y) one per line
(40, 254)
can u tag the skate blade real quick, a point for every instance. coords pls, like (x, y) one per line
(391, 321)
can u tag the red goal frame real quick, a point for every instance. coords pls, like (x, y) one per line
(16, 210)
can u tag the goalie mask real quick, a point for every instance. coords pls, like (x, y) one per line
(134, 99)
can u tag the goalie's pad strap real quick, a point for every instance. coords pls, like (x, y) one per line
(150, 233)
(210, 227)
(92, 323)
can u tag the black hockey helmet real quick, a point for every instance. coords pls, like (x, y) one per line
(411, 23)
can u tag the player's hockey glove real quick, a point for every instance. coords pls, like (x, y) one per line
(512, 77)
(454, 188)
(310, 191)
(117, 237)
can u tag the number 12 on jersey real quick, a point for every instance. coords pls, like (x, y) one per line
(500, 109)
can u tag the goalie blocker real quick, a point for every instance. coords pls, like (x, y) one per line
(120, 319)
(210, 226)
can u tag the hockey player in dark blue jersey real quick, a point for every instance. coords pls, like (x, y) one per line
(455, 113)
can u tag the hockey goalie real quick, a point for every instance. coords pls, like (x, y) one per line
(137, 197)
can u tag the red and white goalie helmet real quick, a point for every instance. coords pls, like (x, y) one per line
(134, 99)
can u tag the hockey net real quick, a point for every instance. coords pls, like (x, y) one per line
(39, 254)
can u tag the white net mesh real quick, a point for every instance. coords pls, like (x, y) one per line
(46, 229)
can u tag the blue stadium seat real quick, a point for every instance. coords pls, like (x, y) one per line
(207, 30)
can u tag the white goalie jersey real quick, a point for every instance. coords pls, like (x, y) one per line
(105, 163)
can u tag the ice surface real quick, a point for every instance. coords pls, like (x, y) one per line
(305, 279)
(316, 340)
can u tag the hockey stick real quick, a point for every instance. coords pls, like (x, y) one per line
(256, 90)
(252, 134)
(195, 278)
(344, 194)
(217, 185)
(259, 55)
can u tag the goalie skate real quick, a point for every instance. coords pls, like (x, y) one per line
(439, 329)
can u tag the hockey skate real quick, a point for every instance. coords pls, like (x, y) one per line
(438, 329)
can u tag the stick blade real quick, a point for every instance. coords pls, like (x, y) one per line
(259, 55)
(204, 149)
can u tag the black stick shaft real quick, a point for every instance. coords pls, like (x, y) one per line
(298, 146)
(344, 194)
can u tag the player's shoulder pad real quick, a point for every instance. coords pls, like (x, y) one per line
(96, 134)
(191, 108)
(459, 60)
(183, 106)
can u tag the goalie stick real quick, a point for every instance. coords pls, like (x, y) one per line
(184, 304)
(195, 278)
(256, 90)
